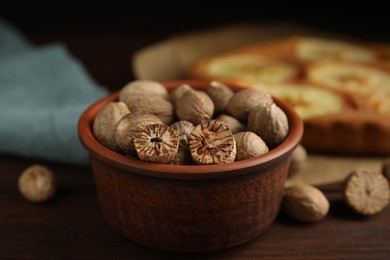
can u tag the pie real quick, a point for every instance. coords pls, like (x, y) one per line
(341, 89)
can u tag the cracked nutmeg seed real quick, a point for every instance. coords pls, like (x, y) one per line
(212, 143)
(366, 191)
(157, 143)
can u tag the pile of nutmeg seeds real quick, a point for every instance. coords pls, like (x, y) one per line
(188, 126)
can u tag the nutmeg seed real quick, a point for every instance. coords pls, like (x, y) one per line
(143, 87)
(129, 126)
(235, 125)
(151, 104)
(270, 123)
(366, 191)
(249, 145)
(305, 203)
(37, 183)
(195, 107)
(244, 100)
(105, 122)
(179, 92)
(220, 94)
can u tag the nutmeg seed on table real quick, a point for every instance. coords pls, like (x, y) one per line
(305, 203)
(37, 183)
(366, 191)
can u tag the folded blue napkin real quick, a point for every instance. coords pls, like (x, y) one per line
(43, 92)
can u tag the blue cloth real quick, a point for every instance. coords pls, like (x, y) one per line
(43, 92)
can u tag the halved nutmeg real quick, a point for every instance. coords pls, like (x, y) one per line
(156, 143)
(212, 143)
(366, 191)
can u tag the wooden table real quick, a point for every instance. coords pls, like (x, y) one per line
(71, 226)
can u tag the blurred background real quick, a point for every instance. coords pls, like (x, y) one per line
(116, 30)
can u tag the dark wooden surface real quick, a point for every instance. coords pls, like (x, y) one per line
(71, 226)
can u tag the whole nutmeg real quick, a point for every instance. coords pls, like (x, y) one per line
(298, 158)
(270, 123)
(143, 87)
(195, 107)
(127, 128)
(305, 203)
(179, 92)
(151, 104)
(249, 145)
(366, 191)
(105, 122)
(244, 100)
(37, 183)
(220, 94)
(235, 125)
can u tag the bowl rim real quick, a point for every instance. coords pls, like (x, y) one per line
(186, 172)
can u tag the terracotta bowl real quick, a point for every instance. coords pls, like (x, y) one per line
(189, 208)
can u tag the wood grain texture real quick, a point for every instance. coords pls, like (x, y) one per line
(72, 227)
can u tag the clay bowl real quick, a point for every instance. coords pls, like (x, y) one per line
(189, 208)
